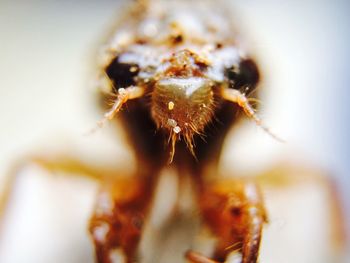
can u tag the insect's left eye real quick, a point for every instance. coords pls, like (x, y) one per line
(122, 74)
(243, 77)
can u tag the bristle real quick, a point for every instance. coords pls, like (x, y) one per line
(173, 139)
(190, 143)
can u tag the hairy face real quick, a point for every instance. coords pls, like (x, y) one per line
(185, 75)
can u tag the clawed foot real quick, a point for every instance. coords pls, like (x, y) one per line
(235, 213)
(195, 257)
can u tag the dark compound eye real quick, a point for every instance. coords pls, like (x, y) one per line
(122, 74)
(245, 77)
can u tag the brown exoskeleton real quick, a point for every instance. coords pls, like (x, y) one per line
(177, 80)
(175, 76)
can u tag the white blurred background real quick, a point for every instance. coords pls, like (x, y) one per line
(46, 62)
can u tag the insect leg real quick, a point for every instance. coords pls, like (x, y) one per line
(68, 165)
(124, 94)
(236, 96)
(117, 221)
(234, 211)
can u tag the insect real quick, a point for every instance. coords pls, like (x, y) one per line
(174, 76)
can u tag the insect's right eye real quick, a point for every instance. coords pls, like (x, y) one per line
(243, 77)
(122, 74)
